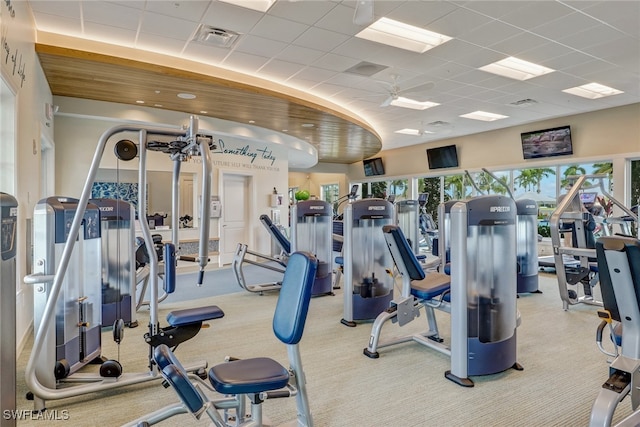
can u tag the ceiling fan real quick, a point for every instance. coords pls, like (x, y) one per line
(363, 14)
(395, 91)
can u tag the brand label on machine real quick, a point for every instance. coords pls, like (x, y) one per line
(500, 209)
(318, 208)
(376, 208)
(106, 208)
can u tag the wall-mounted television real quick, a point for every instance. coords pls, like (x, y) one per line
(442, 157)
(547, 143)
(373, 167)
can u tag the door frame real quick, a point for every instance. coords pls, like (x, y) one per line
(251, 205)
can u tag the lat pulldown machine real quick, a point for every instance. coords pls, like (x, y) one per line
(49, 280)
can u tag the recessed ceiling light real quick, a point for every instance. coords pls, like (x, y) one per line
(401, 35)
(515, 68)
(259, 5)
(252, 121)
(285, 130)
(593, 91)
(307, 125)
(412, 103)
(157, 105)
(186, 96)
(203, 112)
(139, 102)
(157, 91)
(415, 132)
(484, 116)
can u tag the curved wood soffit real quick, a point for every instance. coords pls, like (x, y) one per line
(81, 74)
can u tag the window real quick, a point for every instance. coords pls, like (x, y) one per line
(7, 139)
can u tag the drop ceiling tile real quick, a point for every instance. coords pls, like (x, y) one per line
(305, 12)
(230, 17)
(244, 62)
(622, 15)
(339, 20)
(313, 73)
(191, 10)
(58, 24)
(259, 46)
(317, 38)
(514, 46)
(565, 26)
(160, 44)
(111, 14)
(67, 9)
(490, 34)
(531, 15)
(101, 32)
(331, 61)
(274, 28)
(299, 54)
(204, 53)
(421, 13)
(547, 52)
(167, 26)
(492, 8)
(459, 22)
(358, 48)
(138, 4)
(280, 70)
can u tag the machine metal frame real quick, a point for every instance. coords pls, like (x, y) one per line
(190, 143)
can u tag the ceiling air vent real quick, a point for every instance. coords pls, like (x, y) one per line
(215, 36)
(365, 69)
(524, 102)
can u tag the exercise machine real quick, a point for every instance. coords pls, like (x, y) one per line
(570, 216)
(428, 227)
(8, 232)
(311, 231)
(256, 379)
(117, 219)
(180, 144)
(368, 288)
(78, 319)
(277, 264)
(618, 260)
(407, 217)
(479, 294)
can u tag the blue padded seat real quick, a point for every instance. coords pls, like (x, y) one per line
(246, 376)
(194, 315)
(340, 260)
(423, 286)
(433, 285)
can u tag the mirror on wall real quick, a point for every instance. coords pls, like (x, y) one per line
(123, 184)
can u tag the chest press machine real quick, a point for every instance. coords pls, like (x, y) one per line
(42, 375)
(480, 294)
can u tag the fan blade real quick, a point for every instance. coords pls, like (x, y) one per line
(387, 102)
(420, 88)
(364, 12)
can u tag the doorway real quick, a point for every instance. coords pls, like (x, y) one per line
(237, 192)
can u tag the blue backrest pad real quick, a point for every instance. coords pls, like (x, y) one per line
(182, 385)
(408, 257)
(293, 301)
(276, 233)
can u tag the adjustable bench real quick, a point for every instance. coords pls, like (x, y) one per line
(419, 289)
(256, 379)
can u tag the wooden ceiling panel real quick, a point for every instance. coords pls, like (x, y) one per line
(88, 75)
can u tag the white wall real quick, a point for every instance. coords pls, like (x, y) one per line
(606, 135)
(77, 136)
(23, 73)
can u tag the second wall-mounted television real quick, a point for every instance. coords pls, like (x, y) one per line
(442, 157)
(547, 143)
(373, 167)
